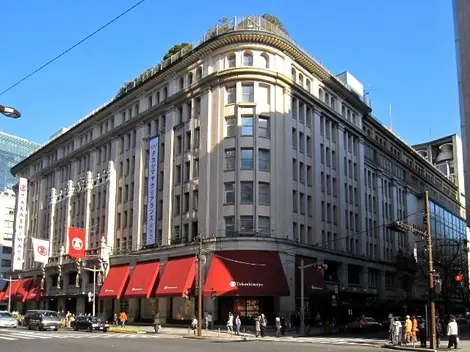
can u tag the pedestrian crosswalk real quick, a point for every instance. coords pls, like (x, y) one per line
(20, 334)
(339, 341)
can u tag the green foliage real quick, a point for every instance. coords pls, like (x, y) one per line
(274, 20)
(175, 49)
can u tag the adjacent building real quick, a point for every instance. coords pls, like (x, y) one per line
(248, 141)
(462, 44)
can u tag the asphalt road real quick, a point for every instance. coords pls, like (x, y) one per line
(95, 342)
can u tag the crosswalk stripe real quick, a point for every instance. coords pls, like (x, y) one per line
(3, 337)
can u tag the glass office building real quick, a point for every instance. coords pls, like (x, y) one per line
(12, 150)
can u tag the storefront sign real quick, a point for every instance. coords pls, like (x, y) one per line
(20, 225)
(152, 191)
(245, 284)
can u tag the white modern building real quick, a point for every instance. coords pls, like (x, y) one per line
(246, 140)
(462, 44)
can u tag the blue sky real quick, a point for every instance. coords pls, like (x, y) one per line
(403, 50)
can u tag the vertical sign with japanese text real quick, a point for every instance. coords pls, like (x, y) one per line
(20, 225)
(152, 191)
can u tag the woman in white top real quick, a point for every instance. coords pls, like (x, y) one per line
(453, 333)
(230, 322)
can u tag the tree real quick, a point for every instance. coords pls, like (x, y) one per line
(175, 49)
(274, 20)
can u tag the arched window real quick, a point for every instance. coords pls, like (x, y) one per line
(232, 60)
(199, 73)
(307, 82)
(321, 94)
(264, 60)
(343, 110)
(190, 78)
(181, 83)
(293, 74)
(165, 93)
(301, 79)
(247, 59)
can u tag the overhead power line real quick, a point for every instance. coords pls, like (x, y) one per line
(72, 47)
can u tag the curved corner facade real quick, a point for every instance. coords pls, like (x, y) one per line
(261, 151)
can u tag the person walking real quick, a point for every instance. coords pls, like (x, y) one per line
(264, 324)
(278, 326)
(156, 323)
(397, 332)
(453, 333)
(238, 324)
(123, 318)
(230, 323)
(414, 330)
(391, 322)
(258, 326)
(422, 332)
(407, 330)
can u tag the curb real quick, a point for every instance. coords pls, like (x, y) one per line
(126, 331)
(401, 348)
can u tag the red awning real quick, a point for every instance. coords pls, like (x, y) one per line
(142, 280)
(23, 289)
(1, 295)
(115, 281)
(35, 292)
(15, 285)
(246, 273)
(177, 278)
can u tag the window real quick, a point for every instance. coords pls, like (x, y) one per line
(190, 78)
(232, 60)
(179, 144)
(263, 160)
(248, 93)
(264, 225)
(264, 196)
(247, 59)
(181, 83)
(231, 94)
(230, 126)
(229, 159)
(247, 125)
(246, 192)
(263, 127)
(229, 192)
(247, 158)
(307, 82)
(196, 168)
(229, 226)
(246, 223)
(6, 263)
(264, 60)
(199, 73)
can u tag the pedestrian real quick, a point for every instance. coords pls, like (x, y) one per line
(439, 331)
(194, 325)
(453, 333)
(407, 330)
(283, 326)
(264, 324)
(156, 323)
(123, 318)
(238, 324)
(115, 318)
(278, 326)
(208, 320)
(414, 330)
(230, 322)
(258, 325)
(422, 333)
(397, 332)
(391, 322)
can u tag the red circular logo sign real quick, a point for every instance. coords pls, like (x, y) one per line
(77, 244)
(42, 250)
(22, 188)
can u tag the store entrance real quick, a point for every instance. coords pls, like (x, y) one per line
(246, 307)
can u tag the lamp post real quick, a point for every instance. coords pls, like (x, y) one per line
(302, 267)
(9, 112)
(9, 280)
(92, 297)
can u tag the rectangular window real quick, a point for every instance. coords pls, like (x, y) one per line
(197, 137)
(229, 193)
(196, 168)
(264, 226)
(263, 160)
(263, 127)
(264, 196)
(229, 159)
(231, 95)
(247, 126)
(294, 139)
(229, 226)
(179, 144)
(246, 159)
(246, 192)
(248, 93)
(230, 126)
(247, 223)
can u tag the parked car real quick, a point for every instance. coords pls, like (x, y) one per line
(7, 320)
(42, 320)
(90, 323)
(364, 324)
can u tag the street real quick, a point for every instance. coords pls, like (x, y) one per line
(112, 342)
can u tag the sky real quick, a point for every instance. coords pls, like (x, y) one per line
(402, 51)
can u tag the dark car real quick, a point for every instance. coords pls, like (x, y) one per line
(42, 320)
(89, 323)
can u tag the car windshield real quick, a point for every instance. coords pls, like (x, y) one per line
(370, 320)
(5, 315)
(95, 319)
(50, 316)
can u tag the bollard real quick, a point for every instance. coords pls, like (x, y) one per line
(218, 333)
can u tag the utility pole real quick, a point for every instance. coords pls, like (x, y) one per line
(199, 287)
(400, 226)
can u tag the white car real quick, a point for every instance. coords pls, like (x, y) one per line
(7, 320)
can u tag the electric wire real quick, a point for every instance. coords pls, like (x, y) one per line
(72, 47)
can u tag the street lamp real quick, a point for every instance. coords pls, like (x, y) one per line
(9, 112)
(302, 267)
(9, 280)
(95, 271)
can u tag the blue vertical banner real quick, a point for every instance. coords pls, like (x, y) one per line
(152, 191)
